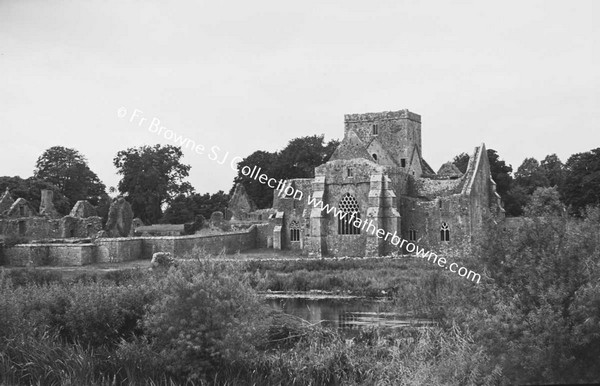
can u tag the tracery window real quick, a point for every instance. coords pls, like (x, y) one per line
(349, 206)
(445, 232)
(294, 231)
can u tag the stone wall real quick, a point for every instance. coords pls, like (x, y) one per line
(50, 255)
(39, 228)
(398, 134)
(113, 250)
(116, 250)
(213, 244)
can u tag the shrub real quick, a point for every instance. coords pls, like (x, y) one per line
(205, 317)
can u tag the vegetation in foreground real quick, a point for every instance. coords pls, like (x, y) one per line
(535, 318)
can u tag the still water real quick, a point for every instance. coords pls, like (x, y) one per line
(345, 313)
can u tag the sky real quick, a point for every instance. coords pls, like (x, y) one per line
(520, 76)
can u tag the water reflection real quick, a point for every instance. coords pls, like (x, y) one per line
(346, 313)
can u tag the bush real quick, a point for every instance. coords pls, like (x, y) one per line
(205, 317)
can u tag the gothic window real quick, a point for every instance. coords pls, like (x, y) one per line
(403, 162)
(294, 231)
(350, 172)
(412, 234)
(445, 232)
(349, 207)
(375, 129)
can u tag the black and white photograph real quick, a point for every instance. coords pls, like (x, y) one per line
(393, 192)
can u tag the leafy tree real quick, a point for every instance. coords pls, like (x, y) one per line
(68, 170)
(297, 160)
(261, 194)
(207, 316)
(531, 176)
(185, 208)
(554, 170)
(545, 202)
(151, 176)
(582, 182)
(207, 204)
(31, 190)
(302, 155)
(538, 313)
(501, 173)
(180, 210)
(461, 161)
(515, 200)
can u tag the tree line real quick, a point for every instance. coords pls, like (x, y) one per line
(153, 179)
(577, 181)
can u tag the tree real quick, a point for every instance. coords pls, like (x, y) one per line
(554, 170)
(582, 182)
(31, 188)
(68, 170)
(501, 173)
(516, 200)
(261, 194)
(530, 175)
(461, 161)
(151, 176)
(302, 155)
(297, 160)
(185, 208)
(545, 202)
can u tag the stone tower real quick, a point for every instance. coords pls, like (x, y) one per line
(392, 138)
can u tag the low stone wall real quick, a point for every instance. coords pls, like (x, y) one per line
(116, 250)
(213, 244)
(50, 255)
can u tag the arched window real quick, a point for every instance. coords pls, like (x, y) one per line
(294, 231)
(349, 208)
(445, 232)
(375, 156)
(412, 234)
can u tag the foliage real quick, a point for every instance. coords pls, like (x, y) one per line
(461, 161)
(500, 171)
(151, 177)
(554, 171)
(260, 193)
(184, 209)
(31, 190)
(204, 316)
(297, 160)
(582, 182)
(68, 170)
(537, 313)
(531, 176)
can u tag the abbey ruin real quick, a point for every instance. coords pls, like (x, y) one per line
(376, 175)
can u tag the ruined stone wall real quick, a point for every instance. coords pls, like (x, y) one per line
(484, 202)
(64, 255)
(33, 228)
(38, 228)
(213, 244)
(116, 250)
(426, 218)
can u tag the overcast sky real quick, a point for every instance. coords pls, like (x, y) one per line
(521, 76)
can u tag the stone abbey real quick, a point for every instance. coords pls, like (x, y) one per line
(378, 174)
